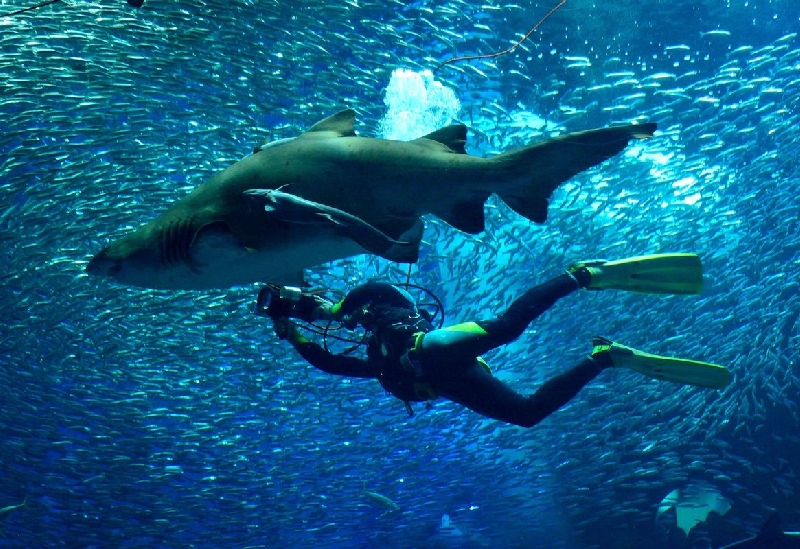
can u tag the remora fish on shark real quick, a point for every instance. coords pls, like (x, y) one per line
(293, 209)
(220, 235)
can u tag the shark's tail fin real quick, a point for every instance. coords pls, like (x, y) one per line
(537, 170)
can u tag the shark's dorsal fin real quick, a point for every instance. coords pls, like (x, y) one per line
(341, 124)
(453, 137)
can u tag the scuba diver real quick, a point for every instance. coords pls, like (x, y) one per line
(416, 362)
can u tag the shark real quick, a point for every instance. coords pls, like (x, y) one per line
(343, 195)
(771, 536)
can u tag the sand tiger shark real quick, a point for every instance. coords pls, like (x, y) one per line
(771, 536)
(328, 194)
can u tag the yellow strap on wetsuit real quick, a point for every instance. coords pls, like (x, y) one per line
(295, 337)
(484, 364)
(417, 339)
(423, 390)
(334, 310)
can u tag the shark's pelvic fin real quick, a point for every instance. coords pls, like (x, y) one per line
(466, 216)
(407, 249)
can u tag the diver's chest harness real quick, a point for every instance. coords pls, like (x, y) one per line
(394, 347)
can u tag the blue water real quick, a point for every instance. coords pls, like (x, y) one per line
(168, 419)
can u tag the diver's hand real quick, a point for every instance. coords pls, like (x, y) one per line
(350, 322)
(311, 307)
(286, 329)
(289, 302)
(283, 327)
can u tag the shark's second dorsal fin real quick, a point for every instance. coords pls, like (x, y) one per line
(270, 143)
(341, 124)
(453, 137)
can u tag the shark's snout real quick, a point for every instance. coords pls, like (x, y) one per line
(102, 265)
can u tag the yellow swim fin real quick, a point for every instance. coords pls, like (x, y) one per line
(678, 370)
(680, 274)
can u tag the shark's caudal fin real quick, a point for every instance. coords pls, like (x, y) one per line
(540, 168)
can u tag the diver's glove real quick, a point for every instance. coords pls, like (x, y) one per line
(287, 301)
(283, 327)
(286, 329)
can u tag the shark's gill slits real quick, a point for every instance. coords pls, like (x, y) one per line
(174, 243)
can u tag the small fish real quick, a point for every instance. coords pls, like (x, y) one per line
(715, 32)
(379, 499)
(8, 508)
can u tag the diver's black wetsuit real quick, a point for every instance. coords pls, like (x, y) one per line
(415, 362)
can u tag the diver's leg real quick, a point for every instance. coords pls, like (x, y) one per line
(479, 391)
(472, 339)
(678, 370)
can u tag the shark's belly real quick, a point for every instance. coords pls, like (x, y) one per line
(280, 264)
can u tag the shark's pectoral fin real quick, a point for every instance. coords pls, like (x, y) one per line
(465, 216)
(216, 233)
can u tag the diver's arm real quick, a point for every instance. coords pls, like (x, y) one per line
(381, 293)
(286, 301)
(326, 361)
